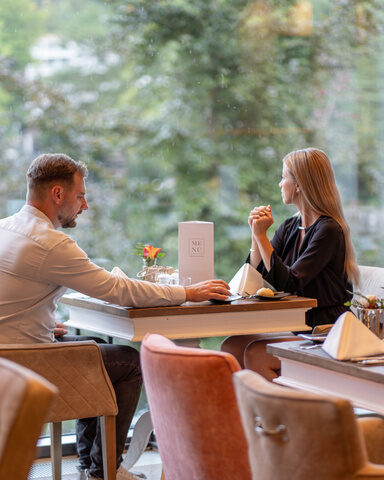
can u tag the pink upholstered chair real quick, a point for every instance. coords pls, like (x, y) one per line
(194, 411)
(298, 435)
(25, 403)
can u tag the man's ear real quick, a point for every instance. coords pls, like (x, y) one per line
(57, 194)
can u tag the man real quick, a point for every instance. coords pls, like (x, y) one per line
(38, 263)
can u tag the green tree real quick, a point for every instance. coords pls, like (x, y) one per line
(190, 107)
(20, 25)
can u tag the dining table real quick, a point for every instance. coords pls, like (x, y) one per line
(313, 370)
(186, 324)
(188, 321)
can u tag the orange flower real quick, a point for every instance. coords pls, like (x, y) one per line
(149, 251)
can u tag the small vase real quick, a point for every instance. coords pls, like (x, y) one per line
(149, 271)
(149, 262)
(372, 318)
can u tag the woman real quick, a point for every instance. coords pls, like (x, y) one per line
(311, 253)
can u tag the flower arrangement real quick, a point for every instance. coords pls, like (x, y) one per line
(148, 253)
(365, 301)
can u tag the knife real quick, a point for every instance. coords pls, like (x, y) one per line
(361, 359)
(371, 362)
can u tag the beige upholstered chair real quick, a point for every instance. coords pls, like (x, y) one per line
(301, 436)
(85, 390)
(194, 411)
(25, 402)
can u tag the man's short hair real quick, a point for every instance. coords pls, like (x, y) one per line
(53, 167)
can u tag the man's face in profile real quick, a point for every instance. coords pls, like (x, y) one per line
(74, 202)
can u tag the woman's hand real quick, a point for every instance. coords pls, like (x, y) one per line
(260, 219)
(256, 213)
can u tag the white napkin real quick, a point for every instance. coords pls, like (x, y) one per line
(247, 281)
(350, 338)
(118, 272)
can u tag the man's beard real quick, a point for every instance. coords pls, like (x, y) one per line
(69, 223)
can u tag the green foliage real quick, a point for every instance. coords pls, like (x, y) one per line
(83, 22)
(188, 110)
(20, 25)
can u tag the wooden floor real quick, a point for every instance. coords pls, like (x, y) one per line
(149, 465)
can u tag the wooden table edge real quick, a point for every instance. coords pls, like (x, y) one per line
(187, 309)
(321, 359)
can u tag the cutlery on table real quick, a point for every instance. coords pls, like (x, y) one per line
(309, 347)
(362, 359)
(371, 362)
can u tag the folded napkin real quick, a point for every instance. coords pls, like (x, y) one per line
(118, 272)
(247, 281)
(350, 338)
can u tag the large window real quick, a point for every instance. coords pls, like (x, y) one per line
(183, 110)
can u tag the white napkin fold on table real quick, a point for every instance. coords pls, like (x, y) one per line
(350, 338)
(247, 281)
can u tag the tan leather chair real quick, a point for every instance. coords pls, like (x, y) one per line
(194, 411)
(299, 435)
(25, 402)
(85, 390)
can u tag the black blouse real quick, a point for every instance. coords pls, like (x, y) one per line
(315, 269)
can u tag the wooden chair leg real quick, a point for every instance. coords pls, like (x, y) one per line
(108, 443)
(56, 449)
(162, 475)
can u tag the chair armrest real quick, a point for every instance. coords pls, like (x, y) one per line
(77, 369)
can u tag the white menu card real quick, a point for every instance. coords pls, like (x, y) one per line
(196, 251)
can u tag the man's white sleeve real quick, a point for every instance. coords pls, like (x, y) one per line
(68, 265)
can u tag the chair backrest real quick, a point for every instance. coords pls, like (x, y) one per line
(25, 401)
(194, 411)
(371, 281)
(78, 371)
(297, 435)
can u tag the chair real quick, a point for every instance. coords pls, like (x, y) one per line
(370, 283)
(300, 435)
(194, 411)
(85, 390)
(25, 401)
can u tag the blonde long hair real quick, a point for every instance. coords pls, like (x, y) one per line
(312, 171)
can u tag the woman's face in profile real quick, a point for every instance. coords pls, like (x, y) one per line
(287, 186)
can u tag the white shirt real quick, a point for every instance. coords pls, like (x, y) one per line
(38, 263)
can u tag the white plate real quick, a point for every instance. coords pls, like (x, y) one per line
(278, 296)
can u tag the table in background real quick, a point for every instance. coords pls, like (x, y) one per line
(315, 371)
(186, 324)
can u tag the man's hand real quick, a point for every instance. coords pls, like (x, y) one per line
(217, 289)
(59, 330)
